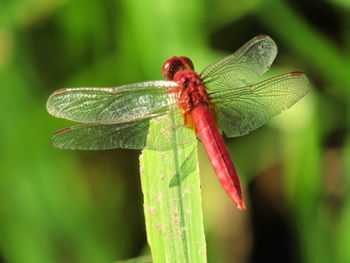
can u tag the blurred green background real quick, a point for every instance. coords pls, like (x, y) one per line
(64, 206)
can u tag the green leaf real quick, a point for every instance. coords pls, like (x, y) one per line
(172, 198)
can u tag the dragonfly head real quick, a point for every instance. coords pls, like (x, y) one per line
(174, 65)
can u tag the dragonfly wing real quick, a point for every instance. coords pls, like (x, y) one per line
(113, 105)
(243, 110)
(131, 135)
(242, 68)
(169, 132)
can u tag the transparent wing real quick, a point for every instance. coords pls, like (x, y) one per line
(170, 131)
(242, 110)
(242, 68)
(112, 105)
(131, 135)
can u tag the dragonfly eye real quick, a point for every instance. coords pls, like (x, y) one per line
(187, 63)
(174, 65)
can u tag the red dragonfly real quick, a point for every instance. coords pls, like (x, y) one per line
(225, 97)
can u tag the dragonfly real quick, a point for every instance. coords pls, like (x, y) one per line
(227, 97)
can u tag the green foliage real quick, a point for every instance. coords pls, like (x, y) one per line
(144, 259)
(172, 199)
(63, 206)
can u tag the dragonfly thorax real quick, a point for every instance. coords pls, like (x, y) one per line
(190, 92)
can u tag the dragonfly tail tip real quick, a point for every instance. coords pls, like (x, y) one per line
(241, 205)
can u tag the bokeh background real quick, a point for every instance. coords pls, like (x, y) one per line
(64, 206)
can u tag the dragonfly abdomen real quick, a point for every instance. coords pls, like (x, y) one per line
(217, 153)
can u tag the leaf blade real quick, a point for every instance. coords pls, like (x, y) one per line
(174, 219)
